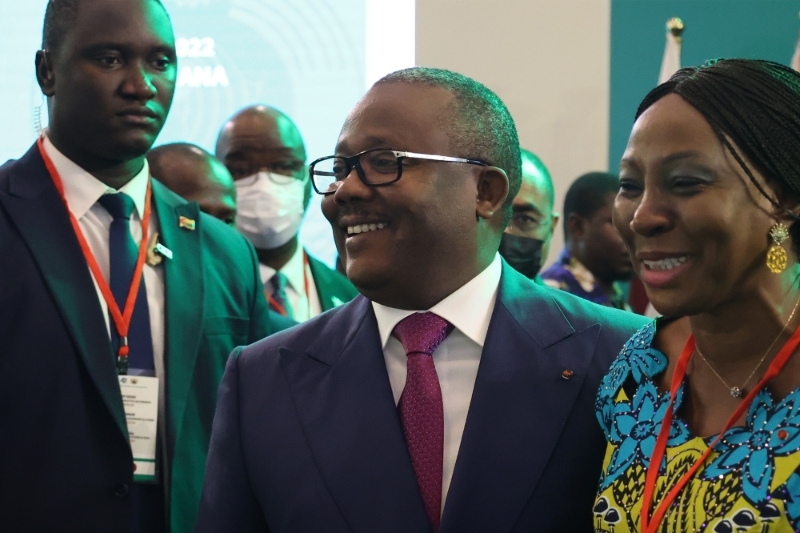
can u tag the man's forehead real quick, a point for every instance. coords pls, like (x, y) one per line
(534, 190)
(219, 175)
(398, 115)
(264, 132)
(122, 24)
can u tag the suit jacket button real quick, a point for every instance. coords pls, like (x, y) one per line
(121, 490)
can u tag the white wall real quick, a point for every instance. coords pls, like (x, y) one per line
(549, 62)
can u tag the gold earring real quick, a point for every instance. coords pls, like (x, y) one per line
(777, 258)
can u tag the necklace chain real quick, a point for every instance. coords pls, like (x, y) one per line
(737, 392)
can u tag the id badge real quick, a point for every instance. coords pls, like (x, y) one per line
(140, 399)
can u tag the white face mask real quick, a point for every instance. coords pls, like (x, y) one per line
(270, 208)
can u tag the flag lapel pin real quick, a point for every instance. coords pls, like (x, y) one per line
(186, 223)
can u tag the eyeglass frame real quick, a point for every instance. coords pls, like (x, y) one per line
(353, 162)
(252, 178)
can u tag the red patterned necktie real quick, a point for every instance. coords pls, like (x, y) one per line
(420, 405)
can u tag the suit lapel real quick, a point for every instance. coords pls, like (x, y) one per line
(344, 400)
(519, 405)
(321, 283)
(183, 295)
(37, 211)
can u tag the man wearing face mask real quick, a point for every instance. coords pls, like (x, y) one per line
(264, 152)
(526, 241)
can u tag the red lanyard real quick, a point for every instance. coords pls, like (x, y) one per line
(650, 525)
(278, 307)
(122, 319)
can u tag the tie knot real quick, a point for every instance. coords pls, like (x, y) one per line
(278, 282)
(119, 205)
(422, 332)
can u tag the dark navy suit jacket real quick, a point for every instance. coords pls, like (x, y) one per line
(307, 437)
(65, 460)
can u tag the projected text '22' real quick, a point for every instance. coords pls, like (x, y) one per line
(194, 76)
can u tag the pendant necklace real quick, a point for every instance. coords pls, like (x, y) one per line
(737, 392)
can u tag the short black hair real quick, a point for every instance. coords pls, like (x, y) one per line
(588, 194)
(480, 127)
(59, 17)
(754, 105)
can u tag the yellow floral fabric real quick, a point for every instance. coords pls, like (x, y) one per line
(750, 483)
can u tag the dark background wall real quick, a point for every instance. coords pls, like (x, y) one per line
(762, 29)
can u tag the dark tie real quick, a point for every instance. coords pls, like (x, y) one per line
(277, 284)
(421, 410)
(123, 252)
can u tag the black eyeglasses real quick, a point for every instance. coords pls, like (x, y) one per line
(375, 167)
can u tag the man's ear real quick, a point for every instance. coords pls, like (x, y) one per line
(44, 72)
(554, 223)
(492, 191)
(576, 226)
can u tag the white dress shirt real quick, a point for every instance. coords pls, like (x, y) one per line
(304, 306)
(83, 191)
(469, 310)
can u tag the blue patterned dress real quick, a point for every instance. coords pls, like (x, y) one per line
(750, 483)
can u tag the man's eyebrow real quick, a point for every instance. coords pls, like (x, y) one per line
(124, 47)
(372, 141)
(525, 208)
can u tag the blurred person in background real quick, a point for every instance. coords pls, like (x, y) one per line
(701, 409)
(264, 152)
(526, 240)
(594, 259)
(197, 176)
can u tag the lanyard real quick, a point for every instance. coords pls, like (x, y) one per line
(650, 525)
(122, 319)
(278, 307)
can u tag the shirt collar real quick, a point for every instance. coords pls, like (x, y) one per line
(469, 308)
(82, 190)
(294, 270)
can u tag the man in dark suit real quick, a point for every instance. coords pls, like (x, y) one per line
(455, 395)
(71, 209)
(264, 151)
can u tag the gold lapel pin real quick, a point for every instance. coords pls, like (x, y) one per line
(186, 223)
(153, 258)
(156, 251)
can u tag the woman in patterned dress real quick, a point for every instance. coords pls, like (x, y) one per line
(708, 203)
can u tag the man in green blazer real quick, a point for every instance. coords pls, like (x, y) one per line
(108, 68)
(264, 152)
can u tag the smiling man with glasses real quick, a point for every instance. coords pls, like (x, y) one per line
(454, 395)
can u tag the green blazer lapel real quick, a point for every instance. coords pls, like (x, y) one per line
(333, 288)
(183, 299)
(39, 215)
